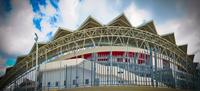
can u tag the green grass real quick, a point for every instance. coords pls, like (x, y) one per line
(122, 88)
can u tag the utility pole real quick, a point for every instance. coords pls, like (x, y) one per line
(36, 71)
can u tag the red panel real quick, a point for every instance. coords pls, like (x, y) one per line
(117, 53)
(100, 54)
(87, 56)
(141, 56)
(130, 54)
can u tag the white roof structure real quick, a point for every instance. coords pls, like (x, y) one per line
(60, 64)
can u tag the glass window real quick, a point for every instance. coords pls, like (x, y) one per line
(121, 82)
(74, 82)
(65, 83)
(57, 83)
(49, 84)
(86, 81)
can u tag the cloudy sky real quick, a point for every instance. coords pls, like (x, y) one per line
(20, 19)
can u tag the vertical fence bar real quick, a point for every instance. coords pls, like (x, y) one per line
(135, 68)
(83, 74)
(66, 75)
(151, 63)
(155, 59)
(70, 77)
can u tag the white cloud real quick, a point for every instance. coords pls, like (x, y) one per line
(49, 10)
(16, 35)
(137, 16)
(197, 57)
(100, 10)
(17, 31)
(186, 32)
(46, 27)
(186, 28)
(69, 13)
(168, 27)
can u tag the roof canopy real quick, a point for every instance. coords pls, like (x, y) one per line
(121, 20)
(61, 32)
(148, 26)
(183, 47)
(20, 58)
(90, 22)
(170, 37)
(34, 46)
(191, 57)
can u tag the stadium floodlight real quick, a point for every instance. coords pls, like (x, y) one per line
(36, 70)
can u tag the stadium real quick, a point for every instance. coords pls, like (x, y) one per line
(96, 55)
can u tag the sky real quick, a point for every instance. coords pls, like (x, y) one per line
(20, 19)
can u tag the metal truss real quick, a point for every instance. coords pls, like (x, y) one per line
(101, 36)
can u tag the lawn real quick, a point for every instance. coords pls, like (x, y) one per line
(122, 88)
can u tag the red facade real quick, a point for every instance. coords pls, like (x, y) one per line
(104, 56)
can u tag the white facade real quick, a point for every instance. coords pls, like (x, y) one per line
(55, 74)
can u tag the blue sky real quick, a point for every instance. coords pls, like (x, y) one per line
(20, 19)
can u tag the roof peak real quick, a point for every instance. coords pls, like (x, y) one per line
(89, 20)
(144, 23)
(120, 19)
(148, 26)
(170, 37)
(167, 34)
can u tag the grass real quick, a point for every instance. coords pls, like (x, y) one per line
(122, 88)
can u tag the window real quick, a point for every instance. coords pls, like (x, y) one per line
(40, 84)
(57, 83)
(166, 64)
(49, 84)
(86, 81)
(119, 59)
(121, 82)
(74, 82)
(65, 83)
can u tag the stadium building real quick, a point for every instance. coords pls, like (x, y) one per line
(116, 54)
